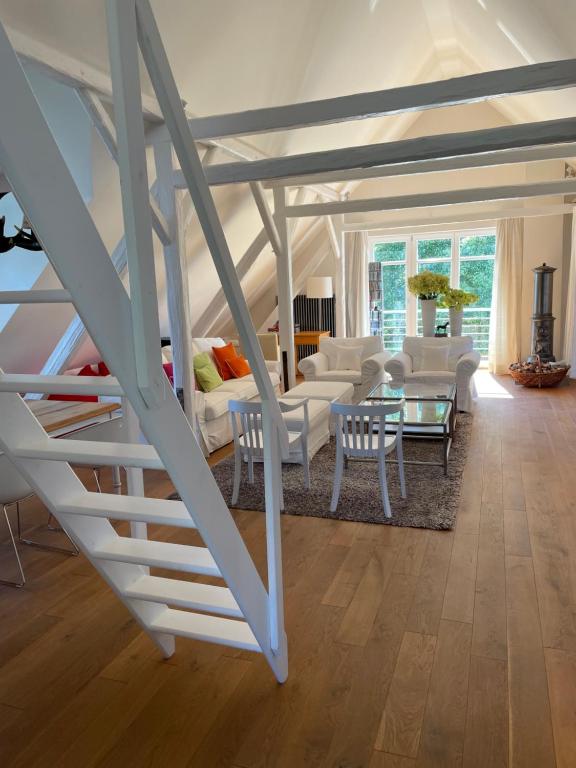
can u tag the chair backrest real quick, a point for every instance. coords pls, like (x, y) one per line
(355, 426)
(457, 346)
(293, 406)
(370, 346)
(246, 416)
(13, 487)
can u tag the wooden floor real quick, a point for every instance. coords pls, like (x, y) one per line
(407, 647)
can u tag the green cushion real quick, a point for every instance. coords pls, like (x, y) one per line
(205, 372)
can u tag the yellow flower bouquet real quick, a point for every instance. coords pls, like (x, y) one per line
(456, 298)
(428, 285)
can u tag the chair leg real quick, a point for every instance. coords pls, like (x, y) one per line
(250, 469)
(50, 547)
(306, 465)
(338, 469)
(237, 474)
(400, 457)
(96, 473)
(384, 484)
(22, 577)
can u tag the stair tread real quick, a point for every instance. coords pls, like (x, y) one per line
(137, 508)
(188, 594)
(60, 385)
(91, 452)
(210, 628)
(161, 554)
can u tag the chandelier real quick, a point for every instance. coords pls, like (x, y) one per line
(22, 238)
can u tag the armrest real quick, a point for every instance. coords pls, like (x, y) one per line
(468, 364)
(399, 366)
(292, 405)
(313, 365)
(274, 366)
(374, 365)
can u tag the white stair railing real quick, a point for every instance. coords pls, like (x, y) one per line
(246, 616)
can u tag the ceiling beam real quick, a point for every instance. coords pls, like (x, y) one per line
(432, 199)
(481, 160)
(443, 218)
(397, 152)
(458, 90)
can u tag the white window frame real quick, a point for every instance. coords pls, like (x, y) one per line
(411, 261)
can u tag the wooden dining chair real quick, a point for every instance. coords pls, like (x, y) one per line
(361, 434)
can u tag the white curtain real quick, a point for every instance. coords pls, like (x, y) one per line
(570, 321)
(356, 275)
(505, 318)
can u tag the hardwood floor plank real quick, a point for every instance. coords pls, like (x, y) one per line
(489, 632)
(426, 609)
(460, 587)
(443, 730)
(531, 742)
(386, 760)
(412, 551)
(401, 723)
(486, 742)
(360, 615)
(561, 672)
(344, 585)
(516, 533)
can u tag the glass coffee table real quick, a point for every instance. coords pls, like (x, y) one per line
(429, 413)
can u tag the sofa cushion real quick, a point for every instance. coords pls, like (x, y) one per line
(370, 345)
(348, 358)
(221, 356)
(239, 367)
(442, 377)
(435, 357)
(274, 378)
(351, 377)
(205, 345)
(459, 345)
(215, 404)
(205, 372)
(240, 389)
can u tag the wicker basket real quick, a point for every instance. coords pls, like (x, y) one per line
(540, 377)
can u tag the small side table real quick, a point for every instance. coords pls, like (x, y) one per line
(307, 338)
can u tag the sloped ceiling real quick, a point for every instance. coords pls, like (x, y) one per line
(229, 55)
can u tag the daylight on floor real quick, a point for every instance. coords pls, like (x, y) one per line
(287, 420)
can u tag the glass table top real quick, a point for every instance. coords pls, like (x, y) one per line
(421, 413)
(389, 390)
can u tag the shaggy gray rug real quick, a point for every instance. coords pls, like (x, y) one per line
(432, 499)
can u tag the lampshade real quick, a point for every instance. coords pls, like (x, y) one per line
(319, 288)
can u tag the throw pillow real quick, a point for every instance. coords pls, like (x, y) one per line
(435, 357)
(348, 358)
(239, 366)
(205, 372)
(221, 356)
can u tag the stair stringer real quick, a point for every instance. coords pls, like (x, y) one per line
(46, 191)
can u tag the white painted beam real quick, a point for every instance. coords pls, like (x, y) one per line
(334, 227)
(396, 152)
(485, 159)
(266, 216)
(49, 296)
(177, 290)
(459, 90)
(124, 68)
(284, 288)
(106, 129)
(429, 199)
(445, 217)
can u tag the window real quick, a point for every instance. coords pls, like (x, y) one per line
(466, 257)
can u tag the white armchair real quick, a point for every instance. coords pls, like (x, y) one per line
(462, 362)
(356, 361)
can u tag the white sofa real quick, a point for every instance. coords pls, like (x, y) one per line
(322, 366)
(211, 408)
(463, 361)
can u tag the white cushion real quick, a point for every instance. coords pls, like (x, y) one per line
(458, 345)
(434, 357)
(351, 377)
(370, 346)
(167, 356)
(348, 358)
(215, 403)
(239, 389)
(340, 391)
(205, 345)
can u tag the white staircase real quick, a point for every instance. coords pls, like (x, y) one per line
(241, 613)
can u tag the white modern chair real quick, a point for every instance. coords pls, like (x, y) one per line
(249, 440)
(13, 490)
(357, 438)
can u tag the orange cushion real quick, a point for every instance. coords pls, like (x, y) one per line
(239, 366)
(221, 357)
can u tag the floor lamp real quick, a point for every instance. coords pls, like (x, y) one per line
(319, 288)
